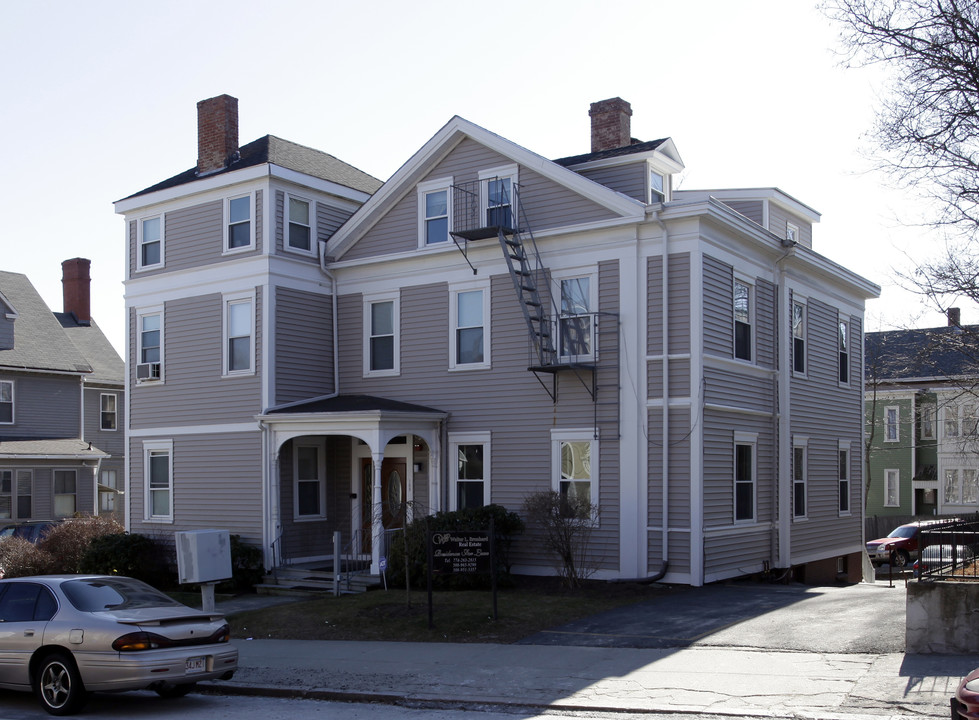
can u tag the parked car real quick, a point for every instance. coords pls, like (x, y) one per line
(33, 532)
(936, 556)
(65, 636)
(897, 547)
(965, 704)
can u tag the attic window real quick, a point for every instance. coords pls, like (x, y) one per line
(657, 185)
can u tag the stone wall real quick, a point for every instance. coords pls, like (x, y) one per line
(942, 618)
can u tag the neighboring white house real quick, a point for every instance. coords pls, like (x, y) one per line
(311, 350)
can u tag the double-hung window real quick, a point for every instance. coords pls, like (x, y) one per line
(309, 480)
(892, 424)
(657, 187)
(799, 476)
(469, 313)
(844, 349)
(892, 488)
(953, 494)
(108, 417)
(742, 320)
(470, 479)
(65, 486)
(574, 462)
(844, 456)
(498, 189)
(107, 491)
(239, 334)
(16, 494)
(927, 421)
(6, 402)
(576, 323)
(381, 335)
(744, 476)
(299, 222)
(158, 469)
(150, 242)
(238, 220)
(798, 337)
(434, 212)
(149, 365)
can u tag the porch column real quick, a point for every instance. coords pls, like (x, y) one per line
(377, 516)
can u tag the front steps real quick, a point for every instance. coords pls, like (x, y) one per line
(313, 581)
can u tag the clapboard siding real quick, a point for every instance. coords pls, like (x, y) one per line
(679, 300)
(826, 412)
(45, 406)
(110, 441)
(627, 179)
(718, 463)
(766, 319)
(778, 220)
(195, 391)
(751, 209)
(221, 491)
(303, 345)
(546, 204)
(718, 307)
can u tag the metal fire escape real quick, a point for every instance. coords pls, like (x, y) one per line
(561, 338)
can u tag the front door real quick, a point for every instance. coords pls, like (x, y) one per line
(394, 495)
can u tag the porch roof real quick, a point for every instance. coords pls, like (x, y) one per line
(57, 449)
(352, 404)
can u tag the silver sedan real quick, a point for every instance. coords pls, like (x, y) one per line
(64, 636)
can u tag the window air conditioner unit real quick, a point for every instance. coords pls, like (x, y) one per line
(148, 371)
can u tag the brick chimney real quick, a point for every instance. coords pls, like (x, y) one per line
(954, 317)
(217, 133)
(76, 284)
(610, 124)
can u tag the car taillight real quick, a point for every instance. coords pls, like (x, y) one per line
(222, 635)
(140, 641)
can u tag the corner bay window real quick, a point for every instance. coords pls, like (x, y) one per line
(239, 222)
(299, 225)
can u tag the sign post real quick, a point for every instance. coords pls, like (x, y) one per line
(462, 552)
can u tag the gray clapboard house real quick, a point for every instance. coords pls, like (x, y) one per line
(62, 438)
(311, 350)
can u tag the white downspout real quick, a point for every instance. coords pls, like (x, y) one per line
(784, 407)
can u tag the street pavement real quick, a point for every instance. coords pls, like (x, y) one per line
(733, 649)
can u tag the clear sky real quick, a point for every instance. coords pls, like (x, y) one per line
(99, 101)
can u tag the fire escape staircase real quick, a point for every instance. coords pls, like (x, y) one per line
(558, 341)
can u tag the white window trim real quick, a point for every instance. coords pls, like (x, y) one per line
(897, 423)
(369, 300)
(150, 446)
(13, 402)
(897, 484)
(15, 495)
(228, 300)
(792, 232)
(650, 170)
(55, 494)
(454, 290)
(801, 442)
(559, 436)
(557, 277)
(140, 314)
(844, 446)
(845, 319)
(116, 411)
(320, 445)
(313, 246)
(745, 438)
(503, 172)
(424, 189)
(225, 250)
(139, 242)
(751, 319)
(799, 300)
(477, 438)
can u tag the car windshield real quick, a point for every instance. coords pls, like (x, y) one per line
(114, 593)
(905, 531)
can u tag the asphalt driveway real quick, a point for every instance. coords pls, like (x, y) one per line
(863, 618)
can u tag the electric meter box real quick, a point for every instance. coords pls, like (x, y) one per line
(203, 556)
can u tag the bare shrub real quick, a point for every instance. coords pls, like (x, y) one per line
(564, 526)
(68, 541)
(19, 558)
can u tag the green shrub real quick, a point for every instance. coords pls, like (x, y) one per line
(19, 557)
(129, 554)
(68, 541)
(247, 568)
(412, 543)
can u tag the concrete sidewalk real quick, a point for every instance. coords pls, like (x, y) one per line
(795, 665)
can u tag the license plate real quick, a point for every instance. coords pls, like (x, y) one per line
(195, 665)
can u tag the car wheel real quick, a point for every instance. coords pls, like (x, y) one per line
(58, 685)
(900, 558)
(175, 691)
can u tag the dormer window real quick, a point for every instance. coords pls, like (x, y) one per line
(791, 233)
(657, 187)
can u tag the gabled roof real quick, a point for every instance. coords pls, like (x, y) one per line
(40, 343)
(432, 152)
(935, 353)
(107, 365)
(286, 154)
(633, 149)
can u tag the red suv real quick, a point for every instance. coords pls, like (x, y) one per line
(896, 548)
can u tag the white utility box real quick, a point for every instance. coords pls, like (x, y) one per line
(203, 556)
